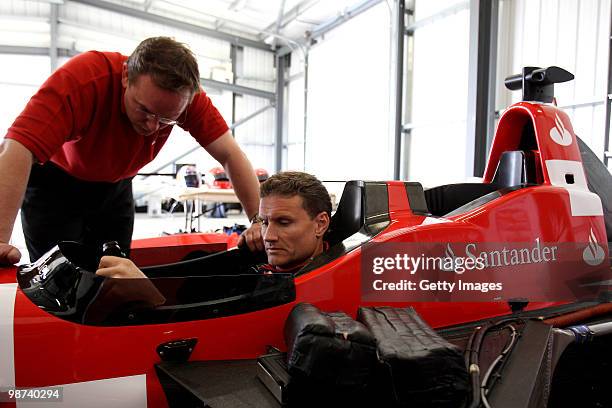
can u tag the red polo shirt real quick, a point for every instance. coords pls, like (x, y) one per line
(77, 120)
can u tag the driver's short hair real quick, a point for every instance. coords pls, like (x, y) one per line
(314, 195)
(171, 64)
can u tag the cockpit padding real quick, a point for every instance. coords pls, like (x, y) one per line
(232, 262)
(416, 198)
(515, 168)
(443, 199)
(349, 216)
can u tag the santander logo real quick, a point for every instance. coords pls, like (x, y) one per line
(559, 134)
(593, 254)
(449, 260)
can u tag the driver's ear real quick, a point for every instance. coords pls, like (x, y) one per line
(322, 221)
(124, 75)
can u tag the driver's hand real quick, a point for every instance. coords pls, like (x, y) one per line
(253, 238)
(9, 255)
(116, 267)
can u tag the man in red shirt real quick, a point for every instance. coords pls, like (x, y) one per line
(86, 133)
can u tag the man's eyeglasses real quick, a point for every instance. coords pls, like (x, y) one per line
(163, 121)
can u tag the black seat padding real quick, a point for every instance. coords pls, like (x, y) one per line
(442, 200)
(515, 168)
(350, 214)
(420, 367)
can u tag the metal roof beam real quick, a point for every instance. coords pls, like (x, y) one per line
(279, 20)
(183, 25)
(450, 11)
(329, 25)
(147, 5)
(64, 52)
(289, 16)
(22, 50)
(219, 22)
(238, 89)
(342, 18)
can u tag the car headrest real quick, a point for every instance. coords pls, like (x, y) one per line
(349, 216)
(515, 168)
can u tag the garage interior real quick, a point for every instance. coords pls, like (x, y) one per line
(350, 91)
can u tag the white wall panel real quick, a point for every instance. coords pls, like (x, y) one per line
(24, 30)
(603, 45)
(20, 77)
(586, 51)
(566, 45)
(25, 8)
(588, 124)
(256, 136)
(439, 108)
(294, 156)
(348, 100)
(429, 8)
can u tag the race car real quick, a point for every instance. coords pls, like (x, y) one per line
(112, 341)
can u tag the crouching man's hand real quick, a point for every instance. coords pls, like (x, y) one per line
(129, 284)
(115, 267)
(9, 255)
(253, 238)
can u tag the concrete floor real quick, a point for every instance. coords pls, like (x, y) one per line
(147, 227)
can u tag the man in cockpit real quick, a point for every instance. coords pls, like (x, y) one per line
(294, 210)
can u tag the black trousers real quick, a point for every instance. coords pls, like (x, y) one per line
(59, 207)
